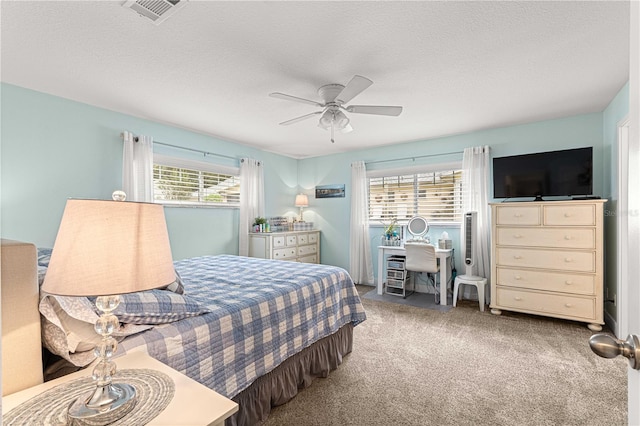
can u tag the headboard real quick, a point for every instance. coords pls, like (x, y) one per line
(21, 344)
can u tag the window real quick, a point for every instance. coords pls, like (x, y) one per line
(435, 195)
(194, 183)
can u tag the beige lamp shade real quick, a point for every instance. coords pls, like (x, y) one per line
(302, 200)
(109, 247)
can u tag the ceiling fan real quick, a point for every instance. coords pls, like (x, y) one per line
(334, 97)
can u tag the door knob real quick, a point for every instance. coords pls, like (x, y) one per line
(609, 347)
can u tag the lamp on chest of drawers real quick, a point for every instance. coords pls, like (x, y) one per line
(107, 248)
(302, 201)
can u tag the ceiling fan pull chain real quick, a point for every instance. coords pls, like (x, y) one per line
(332, 141)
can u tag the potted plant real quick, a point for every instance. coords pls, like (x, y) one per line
(259, 224)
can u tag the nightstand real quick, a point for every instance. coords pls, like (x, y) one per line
(192, 404)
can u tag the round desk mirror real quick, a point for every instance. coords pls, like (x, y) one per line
(418, 226)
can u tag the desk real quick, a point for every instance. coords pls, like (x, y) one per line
(442, 254)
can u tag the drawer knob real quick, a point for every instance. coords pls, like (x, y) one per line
(568, 259)
(517, 298)
(518, 215)
(517, 257)
(568, 282)
(567, 215)
(518, 277)
(568, 305)
(567, 237)
(517, 236)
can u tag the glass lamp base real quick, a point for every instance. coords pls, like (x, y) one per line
(103, 405)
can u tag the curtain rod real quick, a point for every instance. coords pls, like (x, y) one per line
(414, 157)
(205, 153)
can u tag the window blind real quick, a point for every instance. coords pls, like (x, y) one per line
(435, 195)
(181, 182)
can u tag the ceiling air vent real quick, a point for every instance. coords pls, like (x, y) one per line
(156, 10)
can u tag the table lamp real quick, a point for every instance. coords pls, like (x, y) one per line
(302, 201)
(106, 248)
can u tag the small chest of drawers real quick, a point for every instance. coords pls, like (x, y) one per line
(547, 259)
(296, 246)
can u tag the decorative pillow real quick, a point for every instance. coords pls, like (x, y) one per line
(68, 328)
(44, 255)
(177, 286)
(156, 307)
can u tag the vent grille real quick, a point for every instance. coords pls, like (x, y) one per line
(156, 10)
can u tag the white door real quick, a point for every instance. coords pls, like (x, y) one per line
(633, 256)
(629, 218)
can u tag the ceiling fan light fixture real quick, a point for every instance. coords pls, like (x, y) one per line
(326, 120)
(347, 129)
(341, 120)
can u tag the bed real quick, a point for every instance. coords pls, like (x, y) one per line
(253, 330)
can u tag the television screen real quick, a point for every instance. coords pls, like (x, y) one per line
(555, 173)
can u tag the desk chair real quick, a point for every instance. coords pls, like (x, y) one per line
(421, 257)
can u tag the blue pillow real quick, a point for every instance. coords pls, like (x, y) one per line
(177, 286)
(157, 307)
(44, 255)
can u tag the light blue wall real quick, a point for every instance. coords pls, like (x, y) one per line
(54, 149)
(332, 215)
(611, 116)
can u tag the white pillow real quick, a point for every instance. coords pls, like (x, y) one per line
(68, 328)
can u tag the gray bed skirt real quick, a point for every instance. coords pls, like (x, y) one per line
(296, 373)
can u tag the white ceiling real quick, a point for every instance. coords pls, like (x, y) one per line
(455, 67)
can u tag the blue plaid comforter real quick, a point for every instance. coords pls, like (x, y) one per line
(262, 312)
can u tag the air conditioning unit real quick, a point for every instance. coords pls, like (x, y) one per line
(156, 10)
(470, 235)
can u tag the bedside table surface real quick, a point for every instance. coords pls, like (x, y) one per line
(193, 403)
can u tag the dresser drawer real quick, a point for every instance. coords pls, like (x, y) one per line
(313, 238)
(562, 260)
(570, 215)
(580, 238)
(518, 215)
(303, 238)
(308, 259)
(304, 250)
(285, 253)
(544, 303)
(292, 240)
(547, 281)
(279, 241)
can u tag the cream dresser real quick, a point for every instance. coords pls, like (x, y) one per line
(547, 259)
(296, 246)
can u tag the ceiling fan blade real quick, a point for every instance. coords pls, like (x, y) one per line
(347, 129)
(295, 99)
(375, 109)
(353, 88)
(303, 117)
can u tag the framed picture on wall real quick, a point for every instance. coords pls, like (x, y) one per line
(330, 191)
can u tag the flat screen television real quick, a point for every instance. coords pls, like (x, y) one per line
(555, 173)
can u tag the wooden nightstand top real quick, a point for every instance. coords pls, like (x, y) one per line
(193, 403)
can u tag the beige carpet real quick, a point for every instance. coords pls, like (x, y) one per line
(413, 366)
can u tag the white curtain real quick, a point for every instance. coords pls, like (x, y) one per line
(137, 167)
(251, 199)
(475, 197)
(360, 264)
